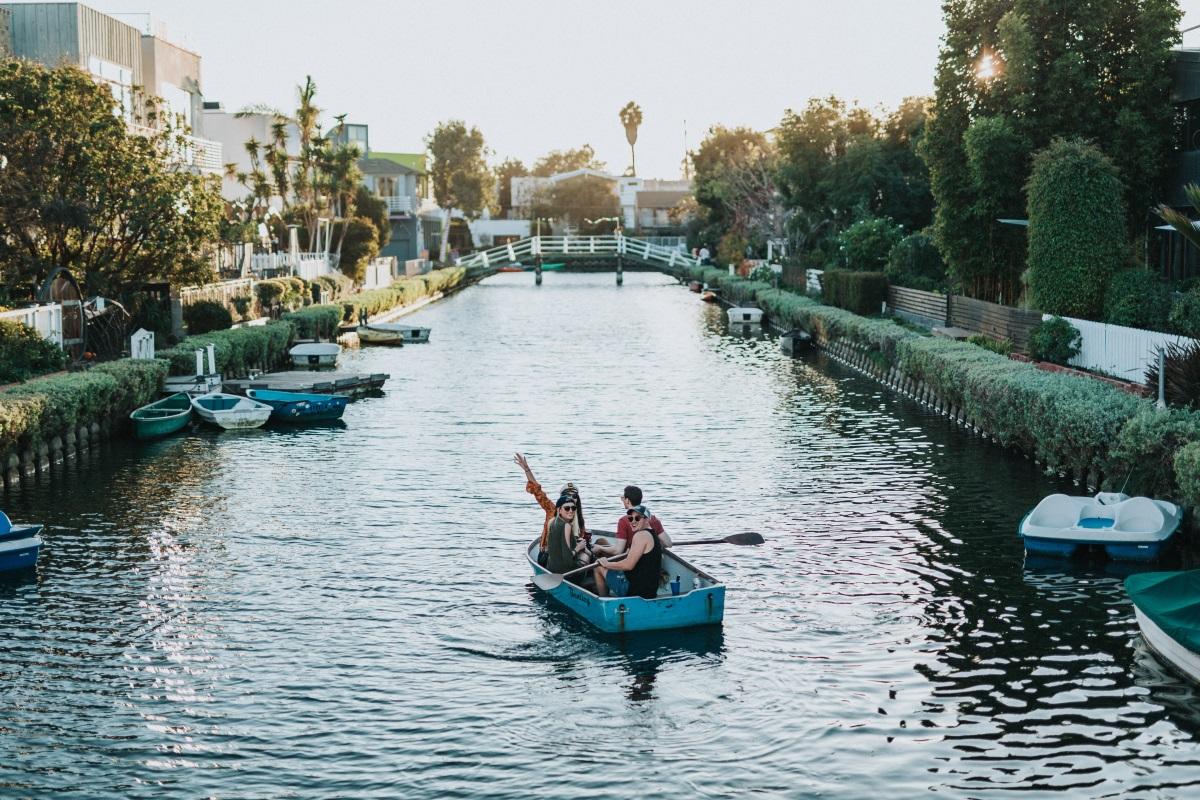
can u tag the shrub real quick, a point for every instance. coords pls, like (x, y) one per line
(1182, 380)
(51, 406)
(988, 343)
(763, 274)
(403, 291)
(1136, 298)
(1187, 474)
(359, 246)
(238, 350)
(242, 305)
(865, 245)
(1144, 452)
(25, 353)
(916, 263)
(1076, 228)
(315, 322)
(270, 291)
(206, 316)
(859, 292)
(1054, 340)
(1184, 318)
(731, 249)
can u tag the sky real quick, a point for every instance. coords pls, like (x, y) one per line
(553, 74)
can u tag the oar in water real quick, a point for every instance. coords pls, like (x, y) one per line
(551, 580)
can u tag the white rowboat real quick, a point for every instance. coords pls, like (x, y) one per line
(315, 354)
(230, 411)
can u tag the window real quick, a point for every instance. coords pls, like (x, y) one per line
(119, 81)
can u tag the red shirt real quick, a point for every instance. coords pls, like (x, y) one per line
(625, 529)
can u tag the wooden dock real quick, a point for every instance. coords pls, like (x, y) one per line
(312, 382)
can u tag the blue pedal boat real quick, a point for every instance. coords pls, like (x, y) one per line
(299, 408)
(703, 605)
(1127, 528)
(19, 546)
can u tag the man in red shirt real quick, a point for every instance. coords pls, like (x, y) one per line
(632, 496)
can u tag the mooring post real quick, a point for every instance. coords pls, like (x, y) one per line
(537, 270)
(620, 270)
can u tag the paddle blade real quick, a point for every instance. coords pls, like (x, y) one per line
(745, 538)
(547, 581)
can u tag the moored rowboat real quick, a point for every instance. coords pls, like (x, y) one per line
(315, 354)
(1167, 605)
(299, 407)
(19, 546)
(163, 417)
(702, 605)
(231, 412)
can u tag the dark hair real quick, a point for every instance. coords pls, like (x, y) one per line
(633, 494)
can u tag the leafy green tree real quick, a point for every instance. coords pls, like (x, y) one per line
(586, 202)
(558, 161)
(375, 209)
(360, 246)
(1076, 228)
(631, 120)
(723, 153)
(866, 245)
(460, 175)
(916, 263)
(80, 191)
(509, 168)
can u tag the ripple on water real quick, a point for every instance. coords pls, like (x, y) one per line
(346, 611)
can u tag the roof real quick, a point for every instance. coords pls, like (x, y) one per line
(414, 161)
(660, 199)
(384, 166)
(575, 173)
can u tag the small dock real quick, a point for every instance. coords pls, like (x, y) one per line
(354, 384)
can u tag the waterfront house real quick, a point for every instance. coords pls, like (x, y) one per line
(645, 203)
(5, 32)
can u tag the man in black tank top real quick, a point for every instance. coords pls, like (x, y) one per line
(641, 563)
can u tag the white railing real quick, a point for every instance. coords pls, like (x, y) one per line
(203, 154)
(45, 319)
(611, 245)
(264, 262)
(380, 273)
(311, 265)
(1115, 350)
(221, 292)
(812, 280)
(401, 204)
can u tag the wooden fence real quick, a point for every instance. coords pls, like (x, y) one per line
(996, 321)
(924, 308)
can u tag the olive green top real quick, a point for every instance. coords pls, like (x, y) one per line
(560, 555)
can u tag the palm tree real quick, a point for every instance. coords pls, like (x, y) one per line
(631, 118)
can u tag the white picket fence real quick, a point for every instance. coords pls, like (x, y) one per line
(45, 319)
(1118, 351)
(380, 272)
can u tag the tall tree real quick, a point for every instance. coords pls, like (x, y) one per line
(460, 175)
(631, 119)
(587, 203)
(558, 161)
(726, 160)
(80, 191)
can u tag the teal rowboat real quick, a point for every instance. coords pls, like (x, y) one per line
(701, 600)
(1167, 606)
(162, 417)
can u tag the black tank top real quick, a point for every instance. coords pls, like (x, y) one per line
(643, 578)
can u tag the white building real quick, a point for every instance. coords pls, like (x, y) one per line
(645, 203)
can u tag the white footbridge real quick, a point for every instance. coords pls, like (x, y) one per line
(616, 247)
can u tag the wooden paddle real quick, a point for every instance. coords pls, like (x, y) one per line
(547, 581)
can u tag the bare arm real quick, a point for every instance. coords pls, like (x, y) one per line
(637, 549)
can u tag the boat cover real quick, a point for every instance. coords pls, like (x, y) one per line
(1172, 601)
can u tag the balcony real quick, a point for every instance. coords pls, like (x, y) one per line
(203, 155)
(400, 204)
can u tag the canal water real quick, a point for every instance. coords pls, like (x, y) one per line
(346, 612)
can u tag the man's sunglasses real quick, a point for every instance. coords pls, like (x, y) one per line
(636, 517)
(568, 508)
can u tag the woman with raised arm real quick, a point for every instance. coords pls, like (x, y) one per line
(564, 522)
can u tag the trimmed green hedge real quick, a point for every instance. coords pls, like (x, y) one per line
(315, 322)
(1073, 424)
(859, 292)
(401, 292)
(25, 353)
(238, 350)
(52, 406)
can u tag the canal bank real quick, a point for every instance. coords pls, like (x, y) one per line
(1073, 426)
(229, 615)
(47, 420)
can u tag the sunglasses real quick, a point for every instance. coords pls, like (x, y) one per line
(568, 508)
(636, 518)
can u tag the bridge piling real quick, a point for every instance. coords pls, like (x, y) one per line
(537, 270)
(620, 268)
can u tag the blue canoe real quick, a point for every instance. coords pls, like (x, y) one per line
(698, 606)
(297, 407)
(19, 546)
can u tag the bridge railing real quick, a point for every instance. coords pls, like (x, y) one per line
(611, 245)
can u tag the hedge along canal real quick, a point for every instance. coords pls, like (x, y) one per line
(46, 420)
(1076, 427)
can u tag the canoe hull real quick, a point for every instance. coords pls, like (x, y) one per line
(1179, 658)
(297, 408)
(19, 548)
(239, 413)
(703, 606)
(371, 335)
(167, 416)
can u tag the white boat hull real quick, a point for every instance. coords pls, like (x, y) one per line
(372, 335)
(315, 354)
(242, 414)
(745, 316)
(1171, 652)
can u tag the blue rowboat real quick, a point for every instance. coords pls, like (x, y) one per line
(298, 407)
(704, 605)
(19, 546)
